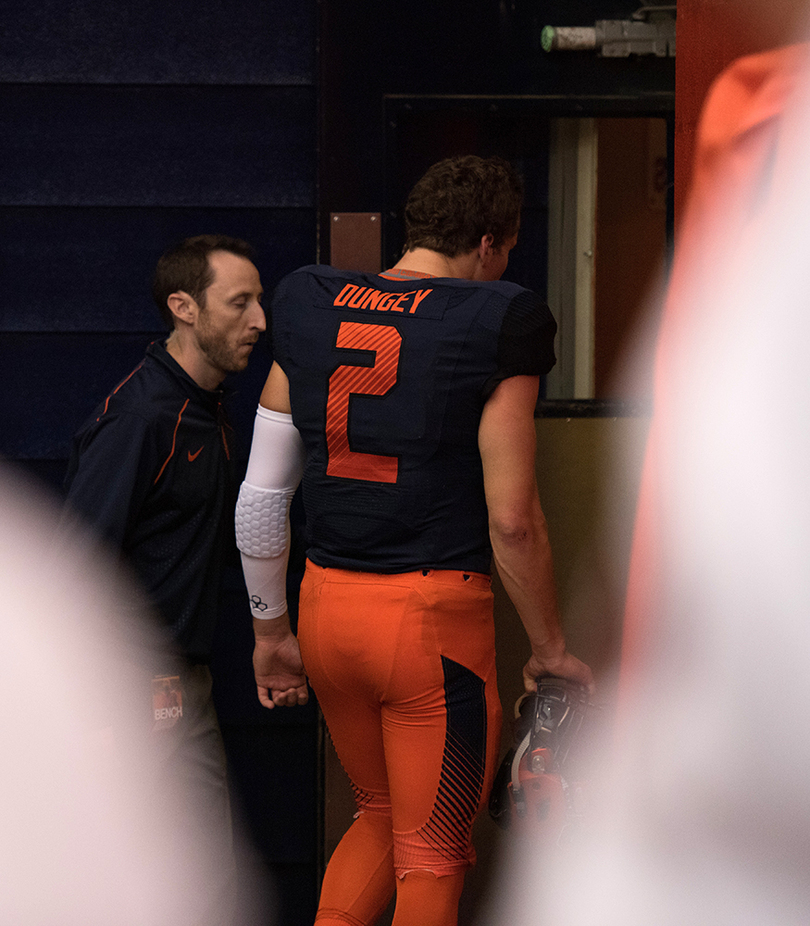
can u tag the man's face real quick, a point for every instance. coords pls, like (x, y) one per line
(232, 318)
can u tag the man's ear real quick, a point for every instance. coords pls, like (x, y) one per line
(182, 306)
(485, 245)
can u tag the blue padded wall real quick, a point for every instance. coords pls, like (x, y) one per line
(154, 42)
(157, 146)
(88, 269)
(124, 127)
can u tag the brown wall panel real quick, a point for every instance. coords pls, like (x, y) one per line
(631, 238)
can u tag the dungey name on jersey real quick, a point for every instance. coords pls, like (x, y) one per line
(364, 297)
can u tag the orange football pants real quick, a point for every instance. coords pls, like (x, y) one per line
(403, 667)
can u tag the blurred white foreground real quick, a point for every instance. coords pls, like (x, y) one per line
(86, 838)
(703, 817)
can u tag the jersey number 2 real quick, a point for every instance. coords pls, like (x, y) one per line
(347, 380)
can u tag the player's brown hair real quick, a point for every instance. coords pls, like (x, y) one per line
(185, 267)
(459, 200)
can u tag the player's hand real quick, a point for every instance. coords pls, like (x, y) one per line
(277, 666)
(561, 665)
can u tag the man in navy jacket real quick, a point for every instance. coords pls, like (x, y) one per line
(150, 471)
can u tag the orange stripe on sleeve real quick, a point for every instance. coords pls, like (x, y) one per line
(123, 381)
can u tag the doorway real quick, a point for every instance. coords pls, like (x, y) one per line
(596, 222)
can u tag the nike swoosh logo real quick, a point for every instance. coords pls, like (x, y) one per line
(193, 456)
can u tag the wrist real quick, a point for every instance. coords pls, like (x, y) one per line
(271, 629)
(549, 650)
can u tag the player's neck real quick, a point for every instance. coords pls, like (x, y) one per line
(423, 260)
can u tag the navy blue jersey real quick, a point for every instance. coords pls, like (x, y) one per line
(388, 380)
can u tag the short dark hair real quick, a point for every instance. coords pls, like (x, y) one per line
(185, 266)
(459, 200)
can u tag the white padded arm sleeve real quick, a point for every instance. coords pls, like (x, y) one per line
(263, 510)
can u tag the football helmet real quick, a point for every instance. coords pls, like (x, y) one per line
(539, 783)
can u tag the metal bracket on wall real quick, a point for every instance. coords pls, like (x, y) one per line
(651, 31)
(356, 241)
